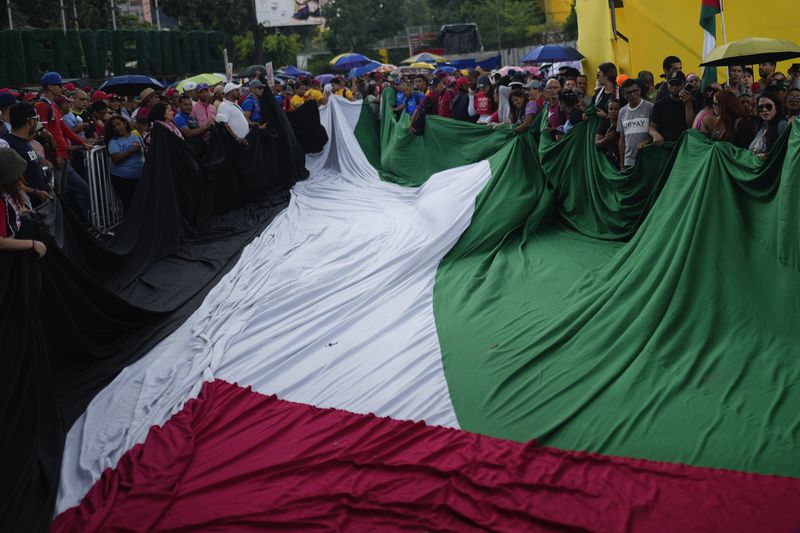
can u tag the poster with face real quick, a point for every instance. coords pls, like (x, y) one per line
(290, 12)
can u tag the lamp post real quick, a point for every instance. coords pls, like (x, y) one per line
(113, 15)
(497, 21)
(10, 18)
(158, 18)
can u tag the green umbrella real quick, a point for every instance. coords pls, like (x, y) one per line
(209, 78)
(750, 51)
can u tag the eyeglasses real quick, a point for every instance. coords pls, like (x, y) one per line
(793, 98)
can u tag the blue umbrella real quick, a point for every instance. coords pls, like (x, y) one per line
(446, 69)
(552, 53)
(130, 85)
(295, 72)
(325, 78)
(366, 69)
(348, 61)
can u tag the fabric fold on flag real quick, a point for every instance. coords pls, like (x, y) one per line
(236, 460)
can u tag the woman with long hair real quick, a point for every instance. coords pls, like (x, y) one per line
(607, 81)
(773, 123)
(522, 112)
(162, 114)
(12, 204)
(127, 158)
(733, 121)
(705, 119)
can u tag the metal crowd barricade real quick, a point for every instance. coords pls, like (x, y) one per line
(106, 209)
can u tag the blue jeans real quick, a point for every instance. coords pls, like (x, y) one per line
(77, 191)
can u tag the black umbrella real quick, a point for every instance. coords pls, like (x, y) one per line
(250, 72)
(130, 85)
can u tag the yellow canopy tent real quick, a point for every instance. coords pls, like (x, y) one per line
(655, 29)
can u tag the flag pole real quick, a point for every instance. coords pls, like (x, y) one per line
(722, 14)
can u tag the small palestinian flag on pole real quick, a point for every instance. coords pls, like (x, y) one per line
(709, 9)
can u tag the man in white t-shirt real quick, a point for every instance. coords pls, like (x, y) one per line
(633, 123)
(230, 114)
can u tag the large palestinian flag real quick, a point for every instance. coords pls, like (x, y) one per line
(470, 330)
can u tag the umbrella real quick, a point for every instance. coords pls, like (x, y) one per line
(425, 57)
(386, 68)
(250, 71)
(426, 66)
(533, 71)
(366, 69)
(552, 53)
(130, 85)
(325, 78)
(505, 70)
(348, 61)
(209, 78)
(750, 51)
(294, 72)
(445, 69)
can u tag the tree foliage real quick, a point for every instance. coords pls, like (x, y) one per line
(92, 14)
(355, 24)
(279, 48)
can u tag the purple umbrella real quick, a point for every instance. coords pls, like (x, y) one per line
(325, 78)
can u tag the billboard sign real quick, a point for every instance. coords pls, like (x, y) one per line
(290, 12)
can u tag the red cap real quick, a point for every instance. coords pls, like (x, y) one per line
(462, 83)
(169, 93)
(100, 95)
(60, 99)
(30, 96)
(15, 94)
(69, 86)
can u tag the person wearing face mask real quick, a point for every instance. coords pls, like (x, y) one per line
(793, 103)
(773, 124)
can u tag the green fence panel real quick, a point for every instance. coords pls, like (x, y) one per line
(167, 42)
(3, 60)
(216, 43)
(154, 51)
(58, 43)
(74, 67)
(103, 44)
(14, 50)
(38, 48)
(124, 51)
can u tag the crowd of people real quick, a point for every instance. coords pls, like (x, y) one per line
(44, 134)
(636, 112)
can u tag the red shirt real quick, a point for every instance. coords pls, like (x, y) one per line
(50, 117)
(444, 103)
(483, 106)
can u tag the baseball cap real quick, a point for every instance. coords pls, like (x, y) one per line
(169, 93)
(515, 84)
(255, 84)
(201, 87)
(533, 84)
(7, 99)
(189, 86)
(70, 86)
(52, 78)
(11, 166)
(462, 83)
(676, 76)
(230, 86)
(483, 81)
(99, 95)
(62, 99)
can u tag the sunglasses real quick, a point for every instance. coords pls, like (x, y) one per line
(765, 107)
(793, 98)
